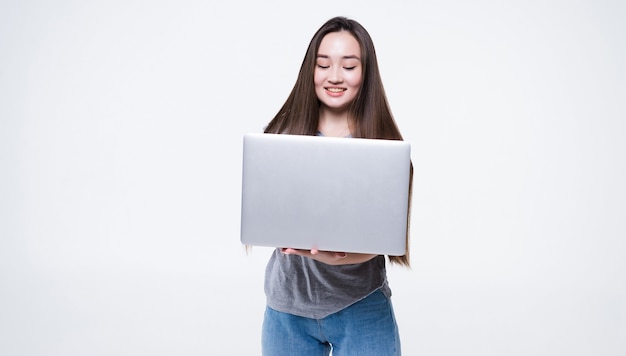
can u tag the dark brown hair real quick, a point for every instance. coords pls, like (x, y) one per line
(369, 111)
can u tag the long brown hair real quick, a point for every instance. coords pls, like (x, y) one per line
(369, 111)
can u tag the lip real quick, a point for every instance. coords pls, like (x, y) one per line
(335, 91)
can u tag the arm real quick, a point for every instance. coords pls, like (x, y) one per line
(328, 257)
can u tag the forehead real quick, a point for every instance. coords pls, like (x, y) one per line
(340, 43)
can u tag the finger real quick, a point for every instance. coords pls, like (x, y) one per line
(294, 251)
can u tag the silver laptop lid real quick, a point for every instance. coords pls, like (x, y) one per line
(334, 194)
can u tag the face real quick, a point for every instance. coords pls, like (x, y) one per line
(338, 70)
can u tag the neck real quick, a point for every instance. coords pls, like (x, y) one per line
(334, 124)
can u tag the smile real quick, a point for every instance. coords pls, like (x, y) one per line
(335, 90)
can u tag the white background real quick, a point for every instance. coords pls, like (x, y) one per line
(120, 157)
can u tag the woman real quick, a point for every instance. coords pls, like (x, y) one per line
(318, 301)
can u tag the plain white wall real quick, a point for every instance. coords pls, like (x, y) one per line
(120, 145)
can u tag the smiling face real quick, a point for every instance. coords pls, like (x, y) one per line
(338, 71)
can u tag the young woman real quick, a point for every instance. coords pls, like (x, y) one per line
(318, 301)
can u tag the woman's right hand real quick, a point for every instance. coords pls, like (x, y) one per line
(329, 257)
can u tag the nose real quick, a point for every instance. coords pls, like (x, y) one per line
(334, 76)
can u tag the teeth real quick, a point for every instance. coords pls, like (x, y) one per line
(335, 90)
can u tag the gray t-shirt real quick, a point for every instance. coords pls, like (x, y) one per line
(305, 287)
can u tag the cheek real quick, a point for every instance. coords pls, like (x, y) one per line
(317, 78)
(355, 79)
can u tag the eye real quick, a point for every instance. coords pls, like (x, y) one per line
(349, 68)
(323, 67)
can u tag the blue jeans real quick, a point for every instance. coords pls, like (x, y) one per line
(367, 327)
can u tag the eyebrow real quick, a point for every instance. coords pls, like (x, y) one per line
(352, 56)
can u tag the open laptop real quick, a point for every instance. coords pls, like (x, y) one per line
(333, 194)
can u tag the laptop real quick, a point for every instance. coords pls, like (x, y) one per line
(329, 193)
